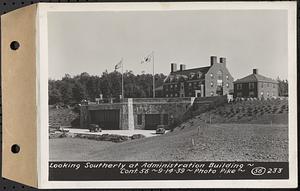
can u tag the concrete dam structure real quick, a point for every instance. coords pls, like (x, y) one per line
(138, 113)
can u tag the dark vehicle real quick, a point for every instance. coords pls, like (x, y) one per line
(94, 128)
(160, 129)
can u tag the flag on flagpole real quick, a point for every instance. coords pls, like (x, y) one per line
(119, 65)
(150, 59)
(147, 59)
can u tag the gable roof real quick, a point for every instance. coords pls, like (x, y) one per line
(255, 78)
(203, 70)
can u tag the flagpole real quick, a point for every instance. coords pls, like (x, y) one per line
(122, 82)
(153, 74)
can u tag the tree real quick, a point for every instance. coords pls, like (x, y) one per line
(79, 92)
(54, 93)
(71, 90)
(283, 87)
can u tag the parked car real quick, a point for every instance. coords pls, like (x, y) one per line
(160, 130)
(94, 128)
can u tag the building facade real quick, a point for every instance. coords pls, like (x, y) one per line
(256, 85)
(213, 80)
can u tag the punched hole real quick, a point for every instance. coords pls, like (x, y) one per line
(15, 148)
(14, 45)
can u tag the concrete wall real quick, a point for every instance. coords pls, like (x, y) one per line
(141, 106)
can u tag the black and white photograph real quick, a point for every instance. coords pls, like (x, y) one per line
(169, 87)
(149, 95)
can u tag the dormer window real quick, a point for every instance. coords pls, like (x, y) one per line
(192, 75)
(171, 78)
(199, 74)
(211, 75)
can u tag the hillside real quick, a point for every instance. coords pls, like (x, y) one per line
(252, 111)
(241, 131)
(61, 116)
(192, 141)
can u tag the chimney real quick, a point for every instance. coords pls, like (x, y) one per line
(255, 71)
(223, 61)
(213, 60)
(182, 67)
(173, 67)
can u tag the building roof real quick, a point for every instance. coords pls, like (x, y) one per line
(186, 73)
(255, 78)
(203, 70)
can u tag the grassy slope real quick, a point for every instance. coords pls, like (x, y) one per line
(243, 131)
(228, 142)
(255, 112)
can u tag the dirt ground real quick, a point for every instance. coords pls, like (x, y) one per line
(189, 142)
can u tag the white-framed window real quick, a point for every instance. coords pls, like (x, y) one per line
(192, 75)
(211, 84)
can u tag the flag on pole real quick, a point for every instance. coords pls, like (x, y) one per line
(119, 65)
(150, 59)
(147, 59)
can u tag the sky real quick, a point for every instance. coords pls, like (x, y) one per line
(93, 42)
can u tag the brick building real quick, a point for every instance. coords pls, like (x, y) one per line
(206, 81)
(255, 85)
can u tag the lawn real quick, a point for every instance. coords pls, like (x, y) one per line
(192, 141)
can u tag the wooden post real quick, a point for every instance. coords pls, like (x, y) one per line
(271, 123)
(193, 142)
